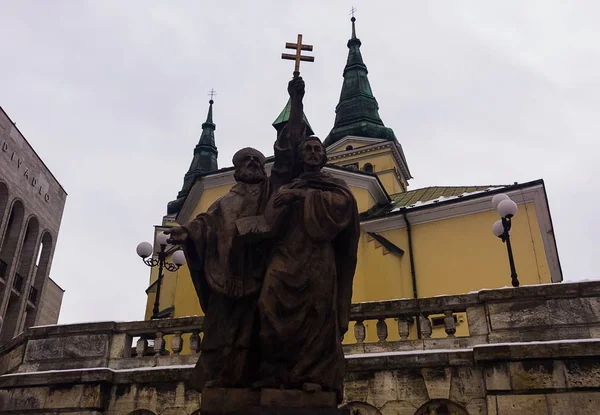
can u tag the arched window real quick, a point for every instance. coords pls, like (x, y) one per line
(361, 408)
(349, 148)
(28, 254)
(368, 168)
(12, 233)
(41, 271)
(441, 407)
(3, 201)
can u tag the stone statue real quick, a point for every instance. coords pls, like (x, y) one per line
(311, 227)
(227, 275)
(226, 271)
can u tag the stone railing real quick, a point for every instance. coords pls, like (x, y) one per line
(530, 313)
(475, 356)
(105, 344)
(533, 313)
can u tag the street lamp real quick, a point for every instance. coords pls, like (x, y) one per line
(506, 208)
(144, 250)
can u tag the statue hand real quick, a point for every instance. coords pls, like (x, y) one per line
(286, 197)
(178, 235)
(296, 88)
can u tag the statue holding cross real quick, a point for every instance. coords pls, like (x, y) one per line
(273, 262)
(297, 57)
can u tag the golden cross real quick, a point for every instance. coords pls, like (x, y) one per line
(298, 55)
(352, 11)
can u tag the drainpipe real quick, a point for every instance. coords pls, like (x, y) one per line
(413, 274)
(410, 255)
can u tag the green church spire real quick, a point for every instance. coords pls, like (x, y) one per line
(357, 112)
(204, 161)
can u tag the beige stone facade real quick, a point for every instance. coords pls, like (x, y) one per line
(31, 208)
(528, 350)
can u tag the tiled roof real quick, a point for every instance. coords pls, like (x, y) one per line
(418, 197)
(426, 196)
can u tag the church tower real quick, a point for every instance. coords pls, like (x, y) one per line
(204, 161)
(359, 140)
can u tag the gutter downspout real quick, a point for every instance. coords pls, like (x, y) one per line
(413, 274)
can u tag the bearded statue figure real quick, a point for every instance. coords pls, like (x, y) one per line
(227, 274)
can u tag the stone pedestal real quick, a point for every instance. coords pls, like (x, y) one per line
(220, 401)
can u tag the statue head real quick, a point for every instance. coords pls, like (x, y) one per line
(312, 153)
(249, 166)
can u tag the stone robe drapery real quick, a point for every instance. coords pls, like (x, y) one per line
(227, 275)
(305, 298)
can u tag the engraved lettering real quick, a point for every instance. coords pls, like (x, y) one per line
(26, 174)
(19, 162)
(12, 157)
(5, 146)
(47, 197)
(40, 192)
(34, 182)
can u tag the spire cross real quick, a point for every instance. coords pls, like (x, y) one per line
(298, 55)
(352, 11)
(212, 93)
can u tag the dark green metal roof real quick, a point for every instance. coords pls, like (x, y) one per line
(204, 161)
(357, 112)
(284, 117)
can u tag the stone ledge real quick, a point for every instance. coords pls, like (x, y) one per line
(422, 358)
(99, 374)
(580, 348)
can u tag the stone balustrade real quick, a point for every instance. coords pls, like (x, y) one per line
(478, 358)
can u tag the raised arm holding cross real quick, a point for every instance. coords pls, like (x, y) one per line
(299, 47)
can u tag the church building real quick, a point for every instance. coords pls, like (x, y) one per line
(414, 242)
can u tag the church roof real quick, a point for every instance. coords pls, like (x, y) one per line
(436, 194)
(428, 196)
(357, 112)
(284, 117)
(204, 161)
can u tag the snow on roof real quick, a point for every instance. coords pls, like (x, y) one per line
(443, 198)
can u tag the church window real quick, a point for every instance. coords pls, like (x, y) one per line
(368, 168)
(349, 148)
(352, 166)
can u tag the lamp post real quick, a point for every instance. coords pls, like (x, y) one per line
(144, 250)
(506, 208)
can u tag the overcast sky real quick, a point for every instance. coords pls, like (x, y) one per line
(112, 95)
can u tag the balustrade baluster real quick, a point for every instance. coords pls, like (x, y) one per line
(359, 332)
(159, 344)
(404, 327)
(195, 341)
(449, 323)
(425, 326)
(382, 330)
(176, 343)
(141, 347)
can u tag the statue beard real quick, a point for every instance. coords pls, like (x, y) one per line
(250, 176)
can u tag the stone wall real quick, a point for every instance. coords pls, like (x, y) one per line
(31, 208)
(520, 357)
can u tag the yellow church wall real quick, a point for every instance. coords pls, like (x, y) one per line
(384, 165)
(364, 200)
(209, 196)
(451, 256)
(381, 159)
(461, 254)
(355, 145)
